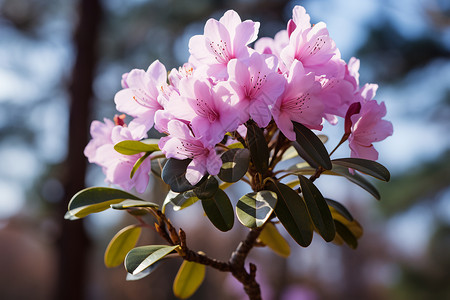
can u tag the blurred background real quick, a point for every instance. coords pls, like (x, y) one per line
(60, 65)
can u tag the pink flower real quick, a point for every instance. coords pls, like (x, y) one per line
(300, 102)
(101, 135)
(300, 19)
(255, 85)
(312, 46)
(117, 167)
(175, 76)
(222, 41)
(208, 109)
(338, 93)
(367, 128)
(181, 144)
(274, 46)
(142, 96)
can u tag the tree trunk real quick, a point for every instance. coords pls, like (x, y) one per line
(73, 242)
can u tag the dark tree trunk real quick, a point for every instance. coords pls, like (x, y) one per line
(73, 242)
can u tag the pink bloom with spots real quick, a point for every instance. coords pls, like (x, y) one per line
(181, 144)
(339, 92)
(221, 42)
(255, 85)
(274, 46)
(117, 167)
(300, 102)
(367, 128)
(143, 96)
(312, 46)
(208, 108)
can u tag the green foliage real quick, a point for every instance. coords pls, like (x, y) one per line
(138, 163)
(346, 235)
(207, 189)
(234, 164)
(126, 204)
(254, 209)
(340, 209)
(140, 258)
(174, 174)
(301, 211)
(95, 199)
(189, 278)
(121, 244)
(347, 231)
(135, 147)
(318, 209)
(145, 273)
(219, 210)
(365, 166)
(292, 213)
(180, 200)
(340, 167)
(272, 238)
(311, 148)
(358, 180)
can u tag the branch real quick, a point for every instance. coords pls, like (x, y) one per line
(237, 266)
(200, 258)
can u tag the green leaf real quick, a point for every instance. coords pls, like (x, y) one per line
(271, 237)
(138, 164)
(234, 164)
(140, 258)
(357, 179)
(145, 273)
(302, 168)
(189, 278)
(292, 213)
(254, 209)
(174, 174)
(133, 203)
(259, 151)
(339, 208)
(237, 145)
(365, 166)
(311, 147)
(289, 153)
(207, 189)
(157, 166)
(318, 209)
(180, 200)
(121, 244)
(95, 199)
(345, 233)
(134, 147)
(219, 210)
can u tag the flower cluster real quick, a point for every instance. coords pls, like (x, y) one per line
(297, 76)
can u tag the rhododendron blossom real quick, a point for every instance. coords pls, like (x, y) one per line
(117, 167)
(142, 96)
(300, 102)
(315, 49)
(256, 85)
(181, 144)
(368, 127)
(222, 41)
(231, 114)
(298, 76)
